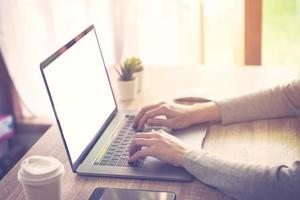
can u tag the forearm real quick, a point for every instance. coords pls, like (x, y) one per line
(242, 181)
(280, 101)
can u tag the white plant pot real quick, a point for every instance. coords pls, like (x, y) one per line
(140, 78)
(127, 89)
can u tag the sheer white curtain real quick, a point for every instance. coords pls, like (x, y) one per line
(160, 32)
(224, 32)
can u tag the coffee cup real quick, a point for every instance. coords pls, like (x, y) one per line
(41, 178)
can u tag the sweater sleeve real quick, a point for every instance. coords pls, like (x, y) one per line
(243, 181)
(280, 101)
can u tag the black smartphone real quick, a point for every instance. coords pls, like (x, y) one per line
(126, 194)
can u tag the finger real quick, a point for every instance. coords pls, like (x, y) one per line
(139, 154)
(143, 111)
(161, 122)
(147, 135)
(137, 143)
(151, 114)
(135, 149)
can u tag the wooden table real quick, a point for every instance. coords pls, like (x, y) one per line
(261, 142)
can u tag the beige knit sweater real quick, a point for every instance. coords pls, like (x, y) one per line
(244, 181)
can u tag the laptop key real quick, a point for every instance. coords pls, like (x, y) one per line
(118, 152)
(113, 162)
(104, 162)
(124, 157)
(110, 151)
(115, 157)
(107, 157)
(114, 145)
(122, 162)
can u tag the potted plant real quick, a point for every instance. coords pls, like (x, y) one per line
(127, 83)
(136, 64)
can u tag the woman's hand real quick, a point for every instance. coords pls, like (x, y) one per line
(160, 145)
(177, 117)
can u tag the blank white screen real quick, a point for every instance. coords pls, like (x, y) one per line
(80, 92)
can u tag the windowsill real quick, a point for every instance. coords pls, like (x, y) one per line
(34, 121)
(32, 125)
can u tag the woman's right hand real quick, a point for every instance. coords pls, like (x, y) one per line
(176, 116)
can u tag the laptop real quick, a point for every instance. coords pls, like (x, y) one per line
(96, 134)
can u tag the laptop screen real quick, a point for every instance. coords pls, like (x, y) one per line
(80, 91)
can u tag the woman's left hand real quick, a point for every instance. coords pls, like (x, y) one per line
(160, 145)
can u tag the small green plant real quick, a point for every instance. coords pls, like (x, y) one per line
(125, 73)
(135, 63)
(129, 66)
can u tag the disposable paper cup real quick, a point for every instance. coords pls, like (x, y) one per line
(41, 178)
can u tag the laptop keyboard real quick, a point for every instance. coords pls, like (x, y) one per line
(118, 151)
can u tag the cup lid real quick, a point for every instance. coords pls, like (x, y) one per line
(40, 168)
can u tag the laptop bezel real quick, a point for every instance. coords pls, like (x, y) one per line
(51, 59)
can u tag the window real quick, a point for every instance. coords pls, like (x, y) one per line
(281, 33)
